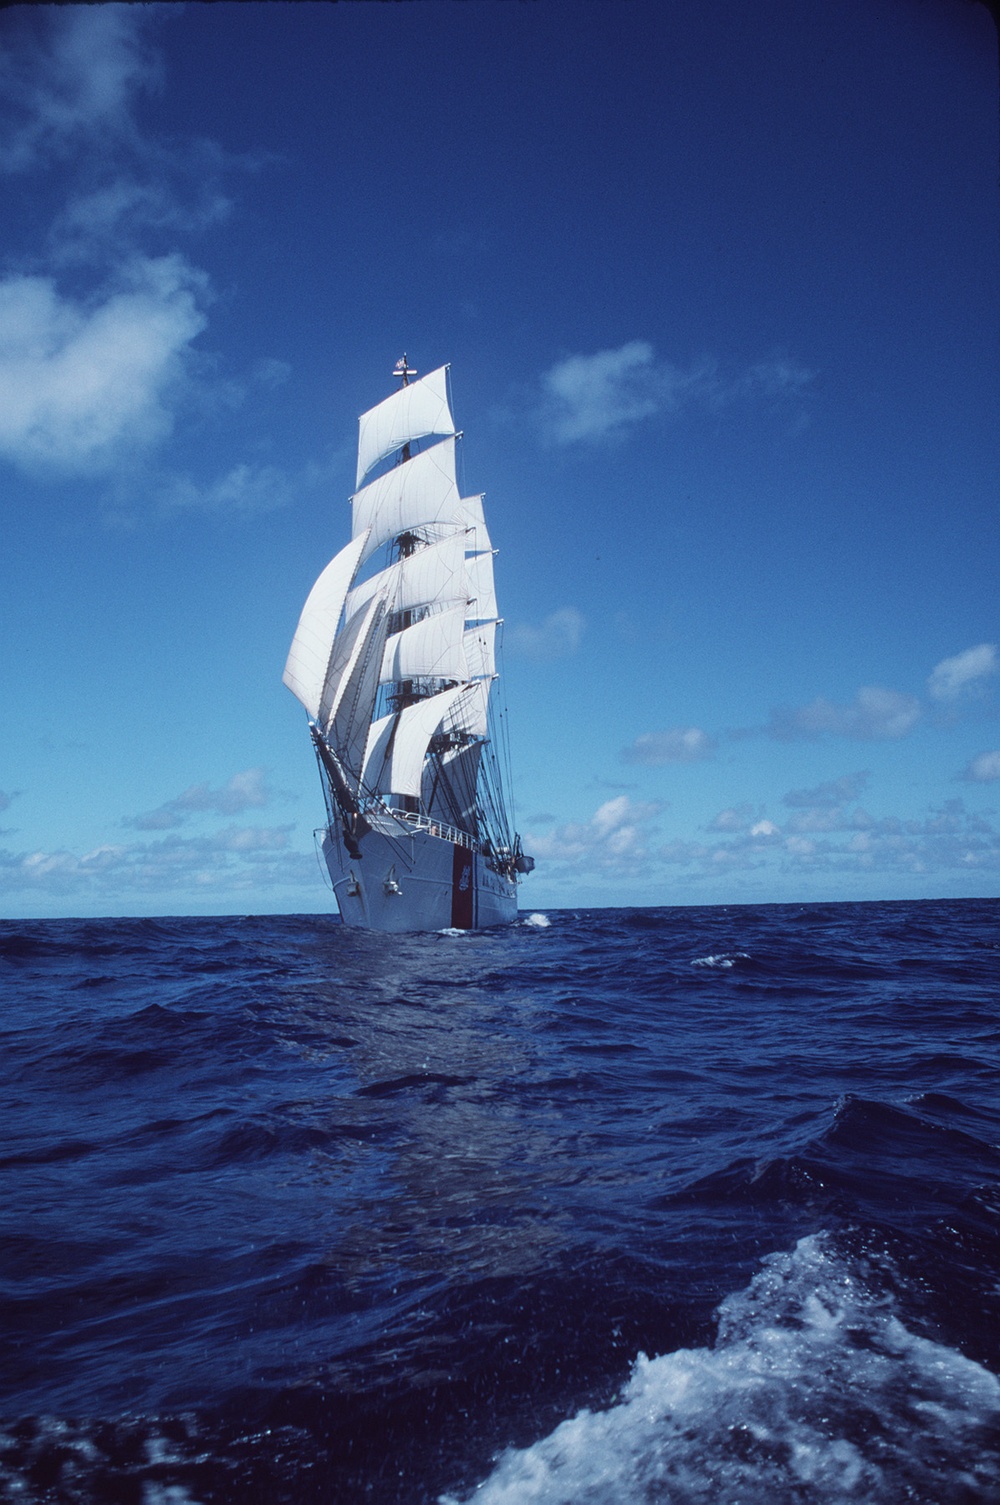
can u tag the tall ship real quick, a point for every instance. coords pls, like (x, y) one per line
(394, 659)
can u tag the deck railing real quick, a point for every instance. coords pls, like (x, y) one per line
(424, 823)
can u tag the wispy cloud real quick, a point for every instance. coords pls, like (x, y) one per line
(69, 79)
(98, 326)
(557, 637)
(244, 791)
(597, 398)
(593, 396)
(616, 836)
(825, 829)
(81, 381)
(982, 769)
(833, 792)
(735, 818)
(246, 489)
(875, 714)
(681, 744)
(967, 672)
(236, 860)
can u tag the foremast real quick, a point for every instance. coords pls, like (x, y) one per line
(394, 658)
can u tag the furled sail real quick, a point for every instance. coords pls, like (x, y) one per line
(417, 411)
(419, 493)
(309, 656)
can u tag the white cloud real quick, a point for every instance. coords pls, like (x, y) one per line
(96, 226)
(874, 714)
(93, 373)
(68, 78)
(834, 792)
(236, 860)
(82, 380)
(592, 398)
(736, 818)
(244, 791)
(776, 377)
(558, 636)
(952, 677)
(616, 837)
(983, 769)
(619, 845)
(764, 829)
(246, 489)
(947, 841)
(682, 744)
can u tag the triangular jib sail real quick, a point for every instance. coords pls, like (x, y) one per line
(395, 653)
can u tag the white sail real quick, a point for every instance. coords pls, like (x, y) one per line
(426, 577)
(309, 656)
(417, 725)
(414, 412)
(346, 646)
(353, 701)
(477, 538)
(482, 591)
(420, 492)
(431, 648)
(448, 793)
(480, 654)
(375, 766)
(397, 745)
(470, 712)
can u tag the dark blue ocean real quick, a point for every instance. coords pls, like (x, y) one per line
(660, 1205)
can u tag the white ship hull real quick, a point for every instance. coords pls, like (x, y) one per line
(416, 881)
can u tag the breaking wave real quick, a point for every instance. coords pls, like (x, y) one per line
(813, 1391)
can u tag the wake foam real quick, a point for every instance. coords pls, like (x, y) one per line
(722, 960)
(540, 921)
(814, 1391)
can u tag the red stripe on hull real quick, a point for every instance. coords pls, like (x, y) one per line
(462, 889)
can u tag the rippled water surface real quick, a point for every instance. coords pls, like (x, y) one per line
(680, 1205)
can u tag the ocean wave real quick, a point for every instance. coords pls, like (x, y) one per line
(724, 960)
(814, 1390)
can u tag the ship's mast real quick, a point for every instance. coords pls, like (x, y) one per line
(407, 542)
(401, 369)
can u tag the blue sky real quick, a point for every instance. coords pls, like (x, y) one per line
(719, 287)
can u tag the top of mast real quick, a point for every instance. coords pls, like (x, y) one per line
(401, 369)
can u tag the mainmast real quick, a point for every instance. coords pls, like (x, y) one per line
(407, 543)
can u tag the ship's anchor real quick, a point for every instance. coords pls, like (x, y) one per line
(390, 885)
(353, 887)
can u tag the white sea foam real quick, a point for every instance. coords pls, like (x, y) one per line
(540, 921)
(722, 960)
(814, 1390)
(166, 1494)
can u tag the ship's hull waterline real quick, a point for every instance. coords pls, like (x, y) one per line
(416, 881)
